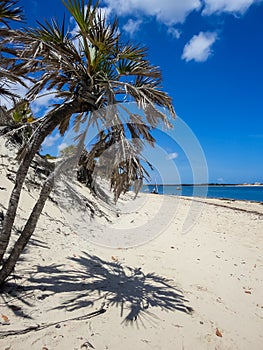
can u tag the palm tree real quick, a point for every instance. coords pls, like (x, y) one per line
(90, 72)
(9, 11)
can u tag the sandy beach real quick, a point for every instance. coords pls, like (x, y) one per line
(160, 273)
(101, 97)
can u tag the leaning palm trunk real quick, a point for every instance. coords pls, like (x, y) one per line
(99, 72)
(30, 226)
(45, 129)
(27, 232)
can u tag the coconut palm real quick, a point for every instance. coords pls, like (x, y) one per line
(9, 11)
(89, 72)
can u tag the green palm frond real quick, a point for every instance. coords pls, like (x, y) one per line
(96, 70)
(51, 32)
(130, 51)
(84, 17)
(9, 11)
(103, 35)
(83, 14)
(138, 68)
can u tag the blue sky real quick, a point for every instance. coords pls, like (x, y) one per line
(211, 56)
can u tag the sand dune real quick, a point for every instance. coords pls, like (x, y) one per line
(160, 273)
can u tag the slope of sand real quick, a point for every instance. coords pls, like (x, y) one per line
(191, 279)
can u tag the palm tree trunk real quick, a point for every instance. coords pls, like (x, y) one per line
(30, 226)
(53, 119)
(28, 230)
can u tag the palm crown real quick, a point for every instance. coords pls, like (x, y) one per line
(8, 12)
(97, 70)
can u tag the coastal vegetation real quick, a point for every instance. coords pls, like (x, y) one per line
(89, 72)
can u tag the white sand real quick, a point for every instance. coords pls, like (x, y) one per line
(147, 292)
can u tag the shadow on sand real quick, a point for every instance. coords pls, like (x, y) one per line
(110, 283)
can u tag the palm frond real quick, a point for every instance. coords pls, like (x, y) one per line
(9, 11)
(84, 16)
(132, 52)
(51, 32)
(63, 126)
(95, 70)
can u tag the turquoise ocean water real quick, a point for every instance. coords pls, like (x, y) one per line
(250, 193)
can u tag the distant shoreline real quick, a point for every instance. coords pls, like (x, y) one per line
(212, 184)
(231, 191)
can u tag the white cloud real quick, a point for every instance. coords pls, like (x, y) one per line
(39, 104)
(166, 11)
(175, 11)
(44, 102)
(50, 140)
(62, 146)
(175, 33)
(230, 6)
(132, 26)
(199, 47)
(171, 156)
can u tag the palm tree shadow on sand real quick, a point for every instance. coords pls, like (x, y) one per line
(112, 284)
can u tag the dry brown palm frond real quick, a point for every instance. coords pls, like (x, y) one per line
(96, 70)
(63, 126)
(116, 158)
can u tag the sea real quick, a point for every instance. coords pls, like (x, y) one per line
(246, 193)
